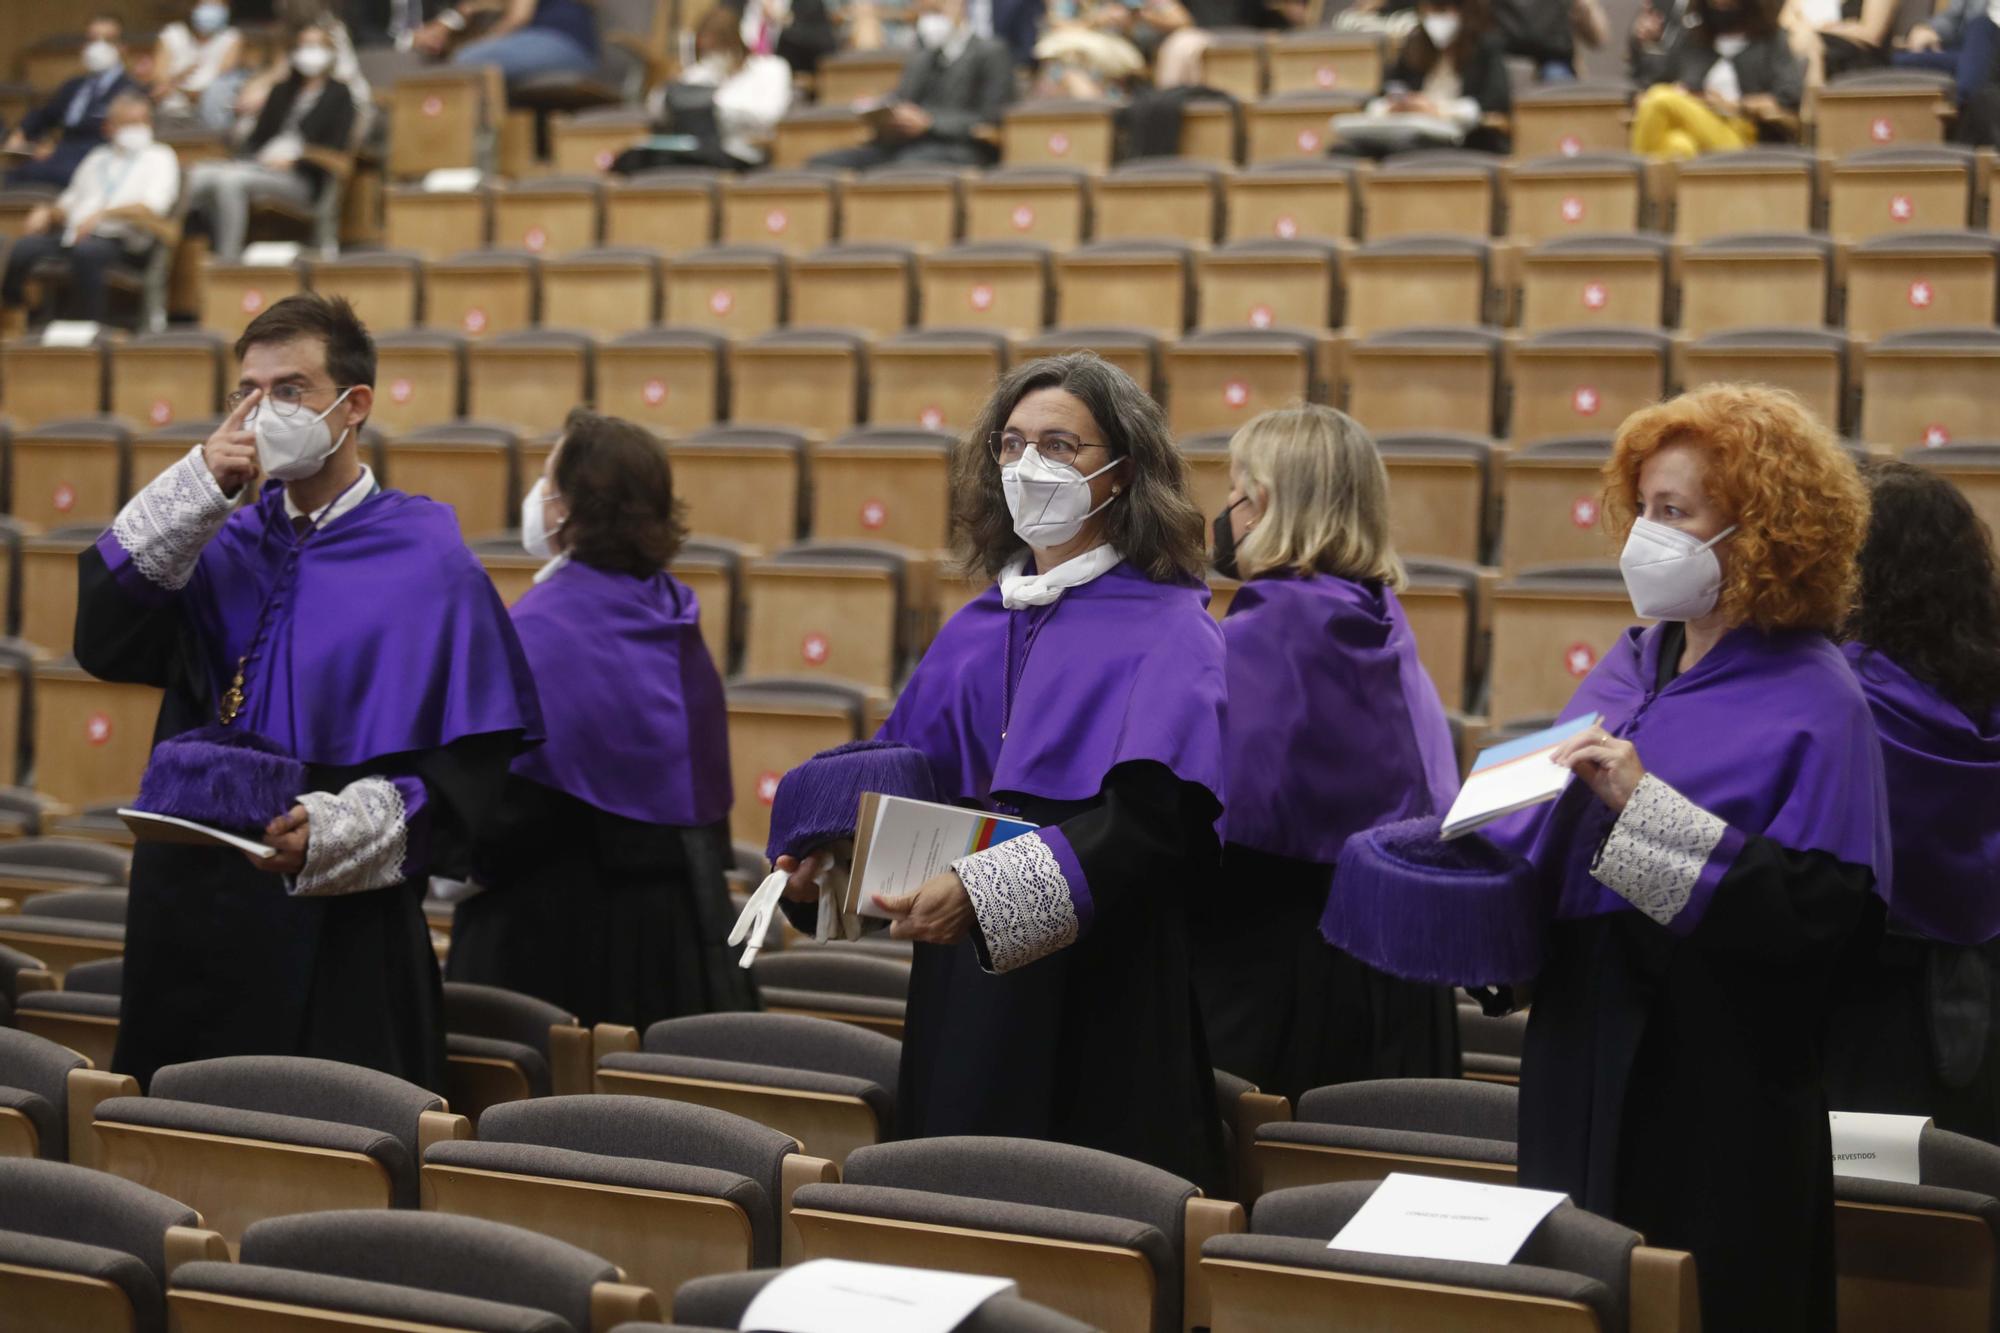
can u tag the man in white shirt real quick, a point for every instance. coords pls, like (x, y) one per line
(116, 209)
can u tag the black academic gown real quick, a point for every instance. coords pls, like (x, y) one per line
(1099, 1043)
(1703, 1057)
(219, 958)
(1288, 1011)
(614, 919)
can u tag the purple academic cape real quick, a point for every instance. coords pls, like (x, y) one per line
(1768, 732)
(1334, 726)
(631, 701)
(1117, 670)
(1944, 804)
(357, 677)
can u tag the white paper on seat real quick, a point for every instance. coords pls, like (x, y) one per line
(1877, 1147)
(451, 180)
(271, 254)
(837, 1296)
(1425, 1217)
(69, 333)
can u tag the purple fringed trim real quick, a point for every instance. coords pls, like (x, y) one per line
(1458, 913)
(817, 802)
(232, 779)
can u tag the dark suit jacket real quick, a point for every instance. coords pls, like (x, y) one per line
(329, 123)
(969, 92)
(89, 131)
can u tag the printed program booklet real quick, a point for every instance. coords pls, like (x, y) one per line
(1513, 777)
(149, 827)
(899, 843)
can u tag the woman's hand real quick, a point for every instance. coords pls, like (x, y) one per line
(1608, 766)
(939, 912)
(803, 884)
(290, 833)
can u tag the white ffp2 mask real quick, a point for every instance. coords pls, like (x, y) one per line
(99, 56)
(934, 30)
(535, 530)
(1441, 29)
(312, 61)
(1670, 575)
(1049, 502)
(294, 447)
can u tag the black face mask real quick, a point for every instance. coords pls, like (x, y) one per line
(1225, 544)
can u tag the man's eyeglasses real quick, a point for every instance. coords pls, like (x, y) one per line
(285, 399)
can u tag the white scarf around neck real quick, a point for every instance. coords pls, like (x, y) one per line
(1018, 589)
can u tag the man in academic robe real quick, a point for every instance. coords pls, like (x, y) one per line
(348, 626)
(60, 132)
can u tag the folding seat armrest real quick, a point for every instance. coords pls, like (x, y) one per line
(1205, 1218)
(86, 1089)
(571, 1059)
(440, 1127)
(1253, 1111)
(612, 1039)
(798, 1169)
(615, 1303)
(1664, 1298)
(186, 1245)
(34, 979)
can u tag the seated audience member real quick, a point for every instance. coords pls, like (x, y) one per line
(747, 94)
(375, 24)
(110, 215)
(309, 112)
(799, 32)
(1546, 32)
(60, 132)
(1452, 70)
(1734, 82)
(953, 85)
(531, 38)
(1089, 50)
(1962, 41)
(1652, 45)
(191, 57)
(1188, 29)
(253, 87)
(1835, 37)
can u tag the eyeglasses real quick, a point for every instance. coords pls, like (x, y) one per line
(285, 399)
(1057, 446)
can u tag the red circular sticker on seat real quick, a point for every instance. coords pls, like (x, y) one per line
(63, 497)
(433, 105)
(776, 221)
(1583, 512)
(654, 391)
(874, 514)
(1326, 76)
(981, 296)
(1936, 435)
(475, 320)
(1595, 296)
(97, 728)
(401, 391)
(1023, 217)
(1571, 208)
(721, 301)
(813, 649)
(161, 413)
(1235, 393)
(605, 157)
(1881, 130)
(253, 300)
(537, 239)
(1921, 294)
(1059, 143)
(767, 787)
(1901, 208)
(1308, 141)
(931, 418)
(1579, 658)
(1569, 145)
(1286, 226)
(1261, 317)
(1583, 401)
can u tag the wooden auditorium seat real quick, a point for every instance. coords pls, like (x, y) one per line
(1411, 281)
(1207, 456)
(69, 928)
(743, 482)
(1058, 132)
(1148, 282)
(1880, 108)
(50, 382)
(807, 131)
(937, 378)
(82, 1015)
(1441, 493)
(665, 379)
(884, 483)
(1551, 497)
(483, 293)
(869, 287)
(1290, 125)
(436, 224)
(1269, 283)
(1574, 381)
(604, 291)
(469, 465)
(850, 986)
(1003, 286)
(1300, 199)
(1212, 132)
(1321, 60)
(919, 207)
(1756, 280)
(1929, 387)
(1589, 194)
(1220, 378)
(1572, 119)
(548, 215)
(419, 379)
(1134, 351)
(70, 472)
(234, 294)
(1550, 627)
(1491, 1046)
(34, 865)
(444, 117)
(1099, 1237)
(796, 212)
(34, 1089)
(1812, 363)
(1159, 199)
(1892, 191)
(830, 1086)
(590, 140)
(1432, 194)
(158, 379)
(91, 737)
(1233, 62)
(671, 212)
(503, 1046)
(720, 1302)
(828, 608)
(1922, 280)
(46, 587)
(1455, 1128)
(1426, 379)
(1584, 281)
(528, 380)
(385, 287)
(1925, 1255)
(849, 76)
(1754, 190)
(736, 290)
(806, 378)
(1044, 205)
(776, 724)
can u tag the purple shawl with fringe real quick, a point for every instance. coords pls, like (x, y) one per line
(1768, 732)
(1334, 726)
(1944, 804)
(1116, 670)
(384, 635)
(631, 701)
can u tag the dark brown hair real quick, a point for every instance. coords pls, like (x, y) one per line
(724, 27)
(1152, 522)
(1475, 20)
(1930, 586)
(350, 352)
(614, 479)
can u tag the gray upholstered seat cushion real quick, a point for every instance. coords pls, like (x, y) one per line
(880, 1098)
(92, 1210)
(454, 1256)
(298, 1086)
(93, 1004)
(1895, 1194)
(531, 1062)
(1464, 1108)
(47, 1121)
(67, 927)
(623, 1172)
(1387, 1140)
(832, 1002)
(987, 1214)
(378, 1300)
(1293, 1252)
(784, 1041)
(123, 1271)
(719, 1302)
(657, 1131)
(105, 976)
(1959, 1162)
(78, 905)
(298, 1131)
(1569, 1239)
(36, 1065)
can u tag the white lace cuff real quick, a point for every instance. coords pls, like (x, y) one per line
(1657, 850)
(1022, 899)
(358, 839)
(164, 526)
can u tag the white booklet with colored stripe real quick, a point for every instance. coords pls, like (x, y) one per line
(899, 843)
(1513, 776)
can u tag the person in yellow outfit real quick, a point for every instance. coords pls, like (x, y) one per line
(1733, 81)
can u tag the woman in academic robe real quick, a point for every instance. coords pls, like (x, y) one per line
(1725, 837)
(1334, 726)
(1083, 692)
(1916, 1030)
(602, 874)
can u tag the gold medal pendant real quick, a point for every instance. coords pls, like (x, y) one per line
(232, 698)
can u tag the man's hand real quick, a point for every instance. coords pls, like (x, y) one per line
(939, 912)
(907, 120)
(231, 453)
(88, 225)
(1923, 38)
(17, 142)
(39, 219)
(289, 833)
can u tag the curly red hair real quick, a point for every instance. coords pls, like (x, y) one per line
(1796, 497)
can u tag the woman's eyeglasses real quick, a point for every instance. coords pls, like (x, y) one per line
(1057, 446)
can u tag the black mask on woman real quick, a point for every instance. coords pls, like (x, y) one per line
(1225, 544)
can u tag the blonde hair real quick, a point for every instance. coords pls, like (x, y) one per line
(1325, 495)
